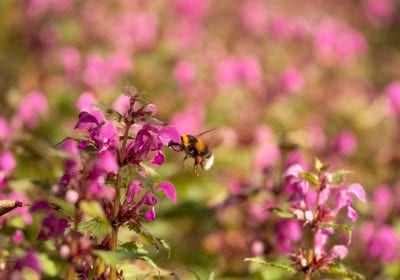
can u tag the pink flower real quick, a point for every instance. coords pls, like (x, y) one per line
(29, 260)
(384, 244)
(70, 58)
(336, 43)
(168, 189)
(18, 237)
(85, 101)
(192, 9)
(291, 80)
(383, 202)
(393, 93)
(33, 106)
(7, 161)
(345, 143)
(237, 69)
(184, 73)
(5, 129)
(189, 121)
(379, 11)
(287, 232)
(122, 104)
(254, 17)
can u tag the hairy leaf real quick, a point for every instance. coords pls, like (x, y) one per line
(95, 227)
(283, 266)
(280, 213)
(310, 177)
(338, 176)
(343, 272)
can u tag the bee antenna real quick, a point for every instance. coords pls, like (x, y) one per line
(207, 131)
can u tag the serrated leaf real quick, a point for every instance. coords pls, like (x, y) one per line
(283, 266)
(95, 227)
(93, 209)
(157, 242)
(310, 177)
(280, 213)
(119, 256)
(338, 176)
(343, 272)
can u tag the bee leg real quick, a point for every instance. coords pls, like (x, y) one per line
(196, 169)
(183, 161)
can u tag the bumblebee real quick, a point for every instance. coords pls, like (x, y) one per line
(195, 148)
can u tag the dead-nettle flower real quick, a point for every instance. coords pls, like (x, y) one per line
(109, 156)
(315, 201)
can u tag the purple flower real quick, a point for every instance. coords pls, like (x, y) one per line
(85, 101)
(18, 237)
(5, 129)
(7, 164)
(148, 139)
(134, 188)
(291, 80)
(29, 260)
(383, 201)
(158, 159)
(184, 73)
(254, 17)
(345, 199)
(52, 227)
(393, 93)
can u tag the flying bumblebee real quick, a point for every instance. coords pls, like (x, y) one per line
(195, 148)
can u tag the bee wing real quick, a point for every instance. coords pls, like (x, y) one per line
(207, 131)
(213, 140)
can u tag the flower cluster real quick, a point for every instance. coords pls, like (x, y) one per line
(315, 202)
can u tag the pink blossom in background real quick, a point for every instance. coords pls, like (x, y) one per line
(33, 106)
(239, 69)
(85, 100)
(18, 237)
(7, 164)
(189, 121)
(392, 91)
(254, 16)
(316, 135)
(135, 31)
(383, 201)
(191, 9)
(384, 244)
(5, 129)
(184, 34)
(335, 42)
(61, 6)
(379, 11)
(291, 80)
(185, 73)
(285, 27)
(345, 143)
(70, 58)
(120, 63)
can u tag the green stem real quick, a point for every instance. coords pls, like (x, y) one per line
(117, 203)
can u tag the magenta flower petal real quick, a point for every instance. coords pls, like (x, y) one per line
(107, 162)
(351, 213)
(358, 191)
(86, 119)
(7, 161)
(86, 100)
(29, 260)
(122, 104)
(168, 189)
(134, 188)
(338, 252)
(18, 236)
(41, 205)
(158, 159)
(168, 134)
(32, 107)
(151, 214)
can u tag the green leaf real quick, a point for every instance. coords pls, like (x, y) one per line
(48, 265)
(338, 176)
(280, 213)
(320, 166)
(346, 228)
(95, 227)
(157, 242)
(343, 272)
(119, 256)
(283, 266)
(93, 209)
(310, 177)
